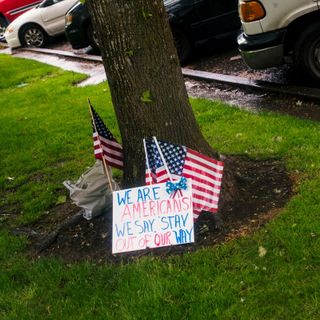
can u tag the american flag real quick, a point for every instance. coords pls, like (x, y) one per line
(105, 145)
(206, 173)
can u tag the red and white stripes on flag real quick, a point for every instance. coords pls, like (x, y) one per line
(105, 145)
(206, 173)
(111, 150)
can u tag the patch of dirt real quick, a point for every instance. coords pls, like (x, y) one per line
(264, 187)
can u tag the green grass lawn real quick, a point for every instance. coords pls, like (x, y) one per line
(46, 138)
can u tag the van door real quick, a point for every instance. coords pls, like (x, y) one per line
(53, 14)
(217, 18)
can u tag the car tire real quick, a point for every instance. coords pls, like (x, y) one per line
(3, 25)
(33, 36)
(307, 52)
(182, 44)
(92, 38)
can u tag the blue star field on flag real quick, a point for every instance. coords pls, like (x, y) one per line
(103, 131)
(173, 154)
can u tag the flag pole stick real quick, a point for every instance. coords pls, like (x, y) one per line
(147, 160)
(105, 166)
(162, 158)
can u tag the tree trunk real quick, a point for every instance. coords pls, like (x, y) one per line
(145, 78)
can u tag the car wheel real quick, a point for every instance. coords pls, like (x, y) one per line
(33, 36)
(182, 44)
(3, 25)
(92, 37)
(307, 52)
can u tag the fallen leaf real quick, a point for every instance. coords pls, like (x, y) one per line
(21, 85)
(61, 200)
(262, 252)
(277, 139)
(238, 57)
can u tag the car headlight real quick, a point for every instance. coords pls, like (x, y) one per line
(10, 28)
(250, 11)
(68, 19)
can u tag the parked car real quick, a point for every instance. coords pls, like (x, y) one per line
(192, 22)
(33, 28)
(78, 28)
(11, 9)
(276, 30)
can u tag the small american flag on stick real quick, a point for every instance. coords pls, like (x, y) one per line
(105, 145)
(206, 173)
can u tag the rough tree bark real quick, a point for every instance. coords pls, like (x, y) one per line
(145, 79)
(146, 82)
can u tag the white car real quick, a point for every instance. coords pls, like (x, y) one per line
(276, 31)
(33, 28)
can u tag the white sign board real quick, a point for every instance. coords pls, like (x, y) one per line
(149, 217)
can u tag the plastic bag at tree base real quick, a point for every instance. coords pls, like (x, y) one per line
(92, 191)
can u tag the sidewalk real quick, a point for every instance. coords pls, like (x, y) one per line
(94, 70)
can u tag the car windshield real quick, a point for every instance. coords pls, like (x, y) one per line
(45, 3)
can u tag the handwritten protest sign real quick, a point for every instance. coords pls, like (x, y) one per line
(150, 217)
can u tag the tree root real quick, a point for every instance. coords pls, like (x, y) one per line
(52, 236)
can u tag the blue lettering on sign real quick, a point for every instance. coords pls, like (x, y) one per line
(177, 221)
(155, 193)
(148, 194)
(183, 236)
(144, 194)
(148, 225)
(164, 221)
(137, 224)
(145, 226)
(184, 219)
(125, 199)
(125, 229)
(174, 222)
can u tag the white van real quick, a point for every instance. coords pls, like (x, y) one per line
(276, 29)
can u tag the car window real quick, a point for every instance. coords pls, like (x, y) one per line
(48, 3)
